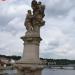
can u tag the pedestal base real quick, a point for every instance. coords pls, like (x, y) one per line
(29, 69)
(29, 72)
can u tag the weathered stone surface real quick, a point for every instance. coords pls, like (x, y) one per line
(30, 63)
(35, 19)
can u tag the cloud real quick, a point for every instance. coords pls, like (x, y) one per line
(59, 30)
(12, 18)
(58, 34)
(10, 43)
(58, 8)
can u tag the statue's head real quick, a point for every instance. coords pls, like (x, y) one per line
(39, 3)
(29, 11)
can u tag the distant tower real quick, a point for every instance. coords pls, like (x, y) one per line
(30, 63)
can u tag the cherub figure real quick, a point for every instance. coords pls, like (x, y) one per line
(34, 5)
(28, 21)
(41, 9)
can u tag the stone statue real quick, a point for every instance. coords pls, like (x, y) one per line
(35, 18)
(30, 63)
(28, 21)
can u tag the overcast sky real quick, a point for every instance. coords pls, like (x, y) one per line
(58, 34)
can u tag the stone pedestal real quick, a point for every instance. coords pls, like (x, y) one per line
(31, 46)
(27, 71)
(30, 63)
(32, 70)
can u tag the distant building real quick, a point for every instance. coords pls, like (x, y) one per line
(47, 62)
(51, 63)
(4, 62)
(1, 63)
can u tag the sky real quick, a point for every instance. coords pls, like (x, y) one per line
(58, 33)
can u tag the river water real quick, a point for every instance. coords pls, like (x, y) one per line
(47, 72)
(58, 72)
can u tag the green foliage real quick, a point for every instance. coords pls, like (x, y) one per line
(59, 61)
(11, 57)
